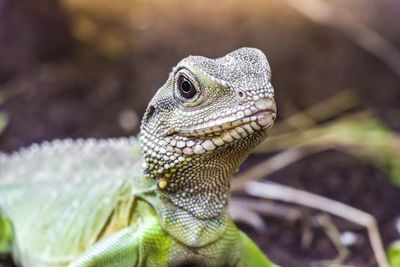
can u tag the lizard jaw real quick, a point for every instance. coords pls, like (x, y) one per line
(219, 127)
(202, 139)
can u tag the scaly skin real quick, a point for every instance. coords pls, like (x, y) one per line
(90, 203)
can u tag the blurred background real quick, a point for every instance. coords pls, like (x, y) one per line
(87, 68)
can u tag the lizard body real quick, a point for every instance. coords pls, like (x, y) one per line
(103, 203)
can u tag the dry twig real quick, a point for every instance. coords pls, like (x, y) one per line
(267, 208)
(240, 212)
(275, 191)
(243, 210)
(274, 164)
(323, 110)
(333, 233)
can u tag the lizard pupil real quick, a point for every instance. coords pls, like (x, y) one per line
(186, 88)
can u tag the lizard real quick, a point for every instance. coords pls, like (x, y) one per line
(158, 200)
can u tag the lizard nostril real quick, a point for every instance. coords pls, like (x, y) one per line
(241, 95)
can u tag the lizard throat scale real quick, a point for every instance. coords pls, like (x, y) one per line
(163, 203)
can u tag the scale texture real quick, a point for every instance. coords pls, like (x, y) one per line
(158, 201)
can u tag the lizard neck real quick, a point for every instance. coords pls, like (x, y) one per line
(193, 191)
(201, 187)
(196, 199)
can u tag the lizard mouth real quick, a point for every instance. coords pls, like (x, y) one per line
(217, 132)
(259, 120)
(207, 137)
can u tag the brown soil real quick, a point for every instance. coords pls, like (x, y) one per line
(342, 178)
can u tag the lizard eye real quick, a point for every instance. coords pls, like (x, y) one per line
(186, 88)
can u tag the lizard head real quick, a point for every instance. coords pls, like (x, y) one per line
(208, 105)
